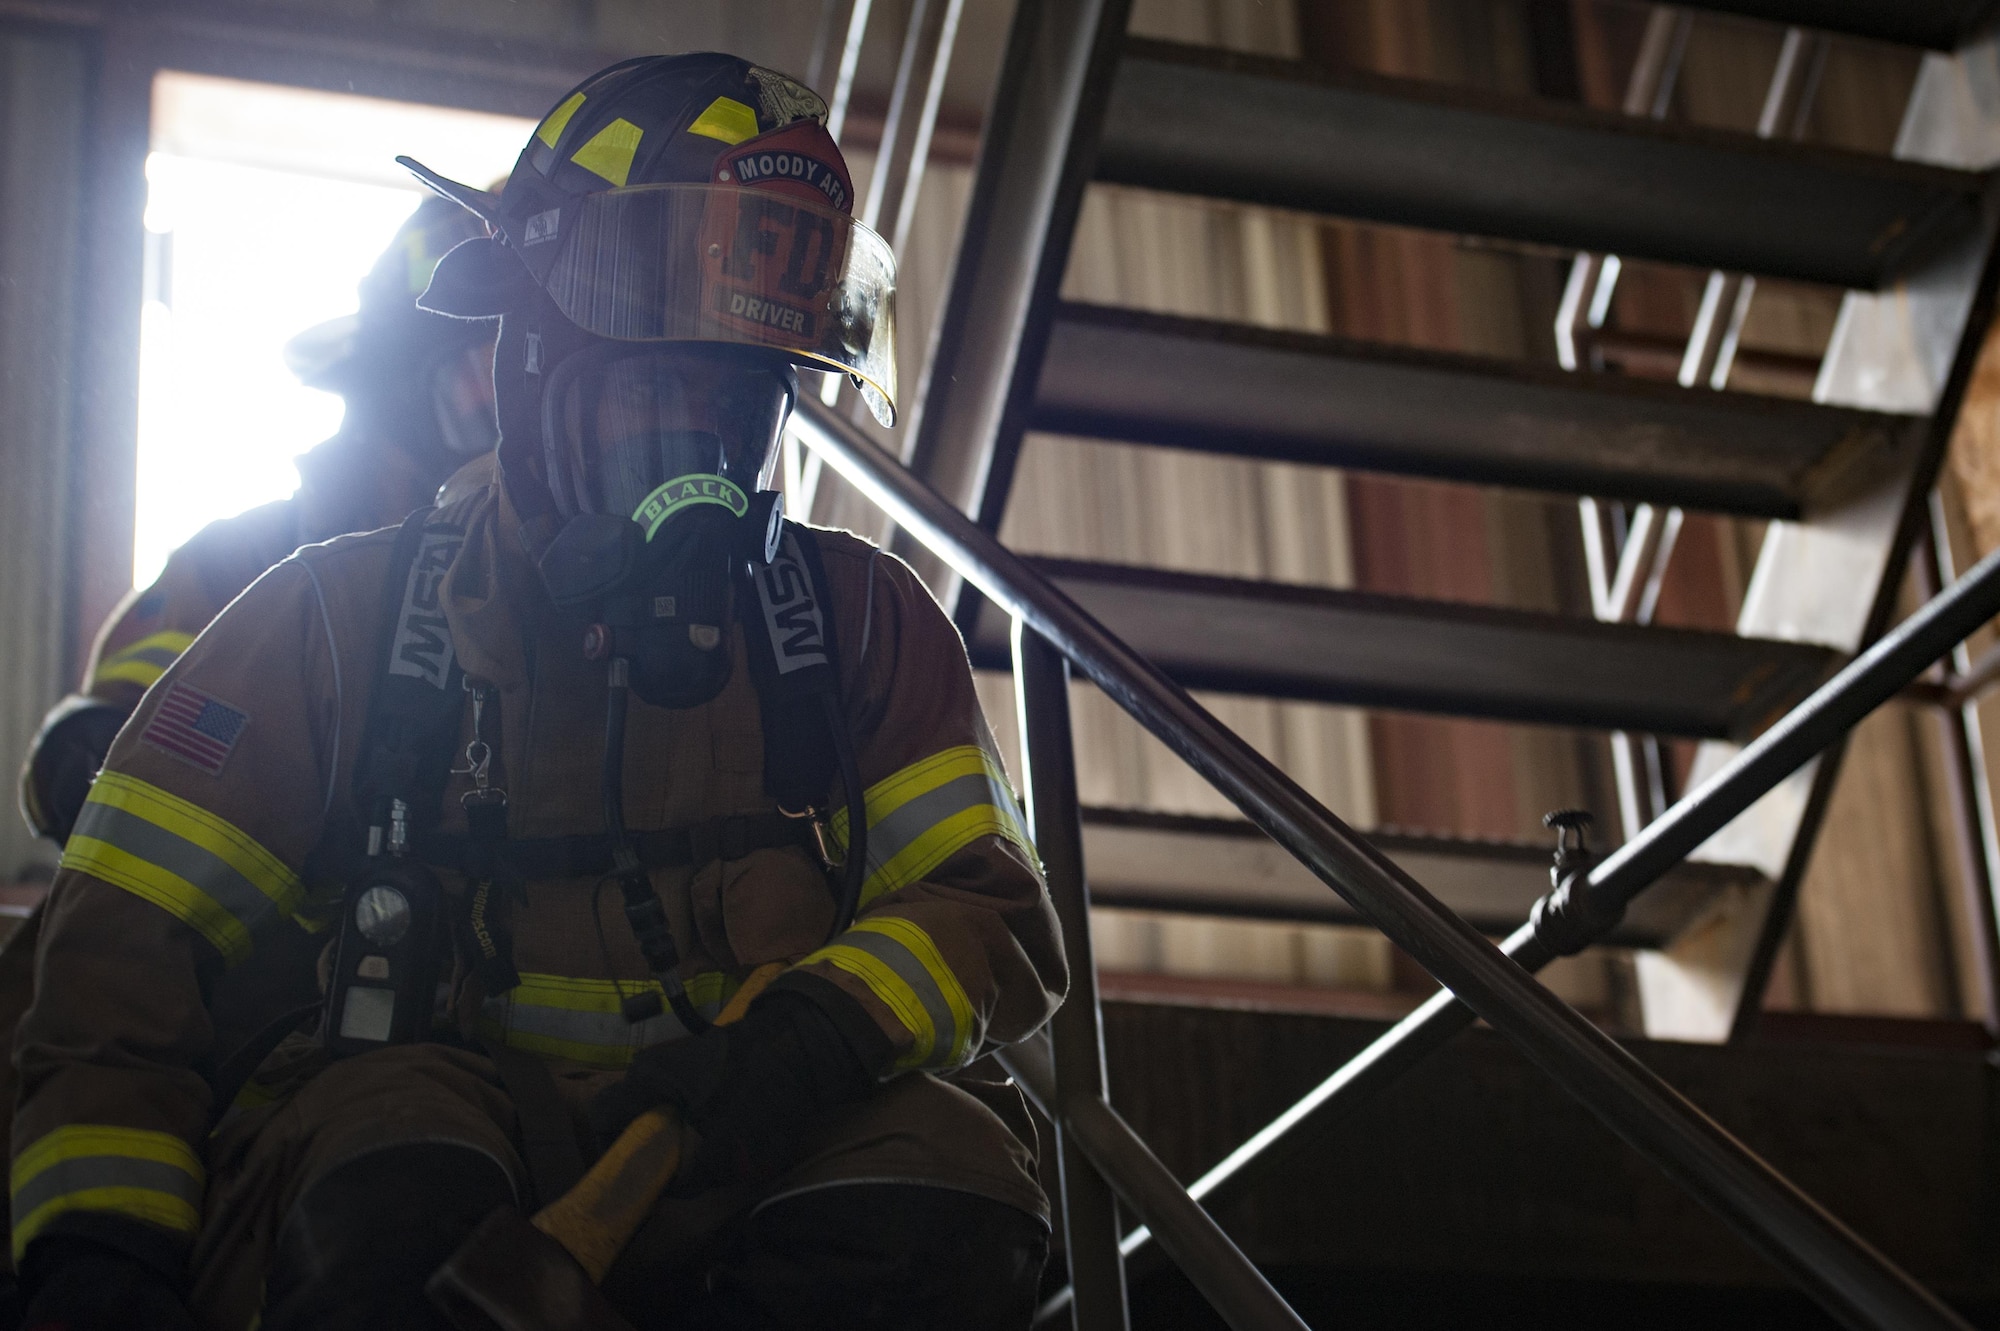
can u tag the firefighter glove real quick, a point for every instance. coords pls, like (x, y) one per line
(747, 1090)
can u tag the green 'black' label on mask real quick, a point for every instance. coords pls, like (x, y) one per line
(685, 492)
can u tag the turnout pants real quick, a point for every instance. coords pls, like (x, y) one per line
(329, 1209)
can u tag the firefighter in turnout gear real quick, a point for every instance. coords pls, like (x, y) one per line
(460, 835)
(419, 394)
(418, 389)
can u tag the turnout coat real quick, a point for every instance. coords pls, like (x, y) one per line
(193, 902)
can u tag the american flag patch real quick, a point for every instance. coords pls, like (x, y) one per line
(195, 728)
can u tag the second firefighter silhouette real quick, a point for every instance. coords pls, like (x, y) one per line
(575, 753)
(418, 389)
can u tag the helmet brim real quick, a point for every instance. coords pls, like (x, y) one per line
(481, 204)
(318, 355)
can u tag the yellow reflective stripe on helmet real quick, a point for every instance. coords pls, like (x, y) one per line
(583, 1020)
(726, 119)
(610, 151)
(205, 872)
(901, 964)
(151, 1176)
(144, 661)
(924, 814)
(558, 120)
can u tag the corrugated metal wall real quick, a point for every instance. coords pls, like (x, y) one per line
(45, 112)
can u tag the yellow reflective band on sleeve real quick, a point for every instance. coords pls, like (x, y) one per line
(726, 119)
(923, 815)
(144, 661)
(151, 1176)
(583, 1020)
(901, 965)
(610, 151)
(203, 871)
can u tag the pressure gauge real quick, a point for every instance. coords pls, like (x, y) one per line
(382, 915)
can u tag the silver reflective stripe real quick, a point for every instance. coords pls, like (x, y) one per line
(604, 1030)
(580, 1034)
(104, 1171)
(901, 829)
(911, 972)
(154, 844)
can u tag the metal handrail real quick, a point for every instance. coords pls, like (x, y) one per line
(1865, 683)
(1214, 1264)
(1836, 1267)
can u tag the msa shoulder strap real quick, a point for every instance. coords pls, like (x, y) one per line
(406, 741)
(382, 982)
(794, 665)
(418, 693)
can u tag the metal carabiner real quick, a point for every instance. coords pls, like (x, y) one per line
(479, 753)
(826, 859)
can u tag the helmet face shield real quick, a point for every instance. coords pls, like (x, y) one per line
(724, 264)
(643, 431)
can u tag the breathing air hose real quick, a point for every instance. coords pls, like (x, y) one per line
(643, 910)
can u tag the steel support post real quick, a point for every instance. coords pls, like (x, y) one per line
(1214, 1264)
(1725, 305)
(1593, 278)
(1853, 1281)
(1971, 847)
(1964, 757)
(1615, 589)
(104, 451)
(1090, 1212)
(852, 34)
(1039, 150)
(1913, 519)
(912, 118)
(901, 160)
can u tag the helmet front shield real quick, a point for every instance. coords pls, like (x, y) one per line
(724, 264)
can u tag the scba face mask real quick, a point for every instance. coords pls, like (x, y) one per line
(461, 396)
(656, 456)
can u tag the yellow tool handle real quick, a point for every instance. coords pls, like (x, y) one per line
(596, 1219)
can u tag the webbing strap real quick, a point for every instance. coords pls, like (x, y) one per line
(793, 659)
(530, 858)
(416, 702)
(548, 1133)
(235, 1072)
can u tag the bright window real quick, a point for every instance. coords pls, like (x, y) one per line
(265, 207)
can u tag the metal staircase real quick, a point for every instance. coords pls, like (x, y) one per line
(1846, 480)
(1080, 103)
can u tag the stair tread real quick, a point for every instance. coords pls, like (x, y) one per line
(1939, 25)
(1195, 120)
(1360, 649)
(1143, 860)
(1302, 397)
